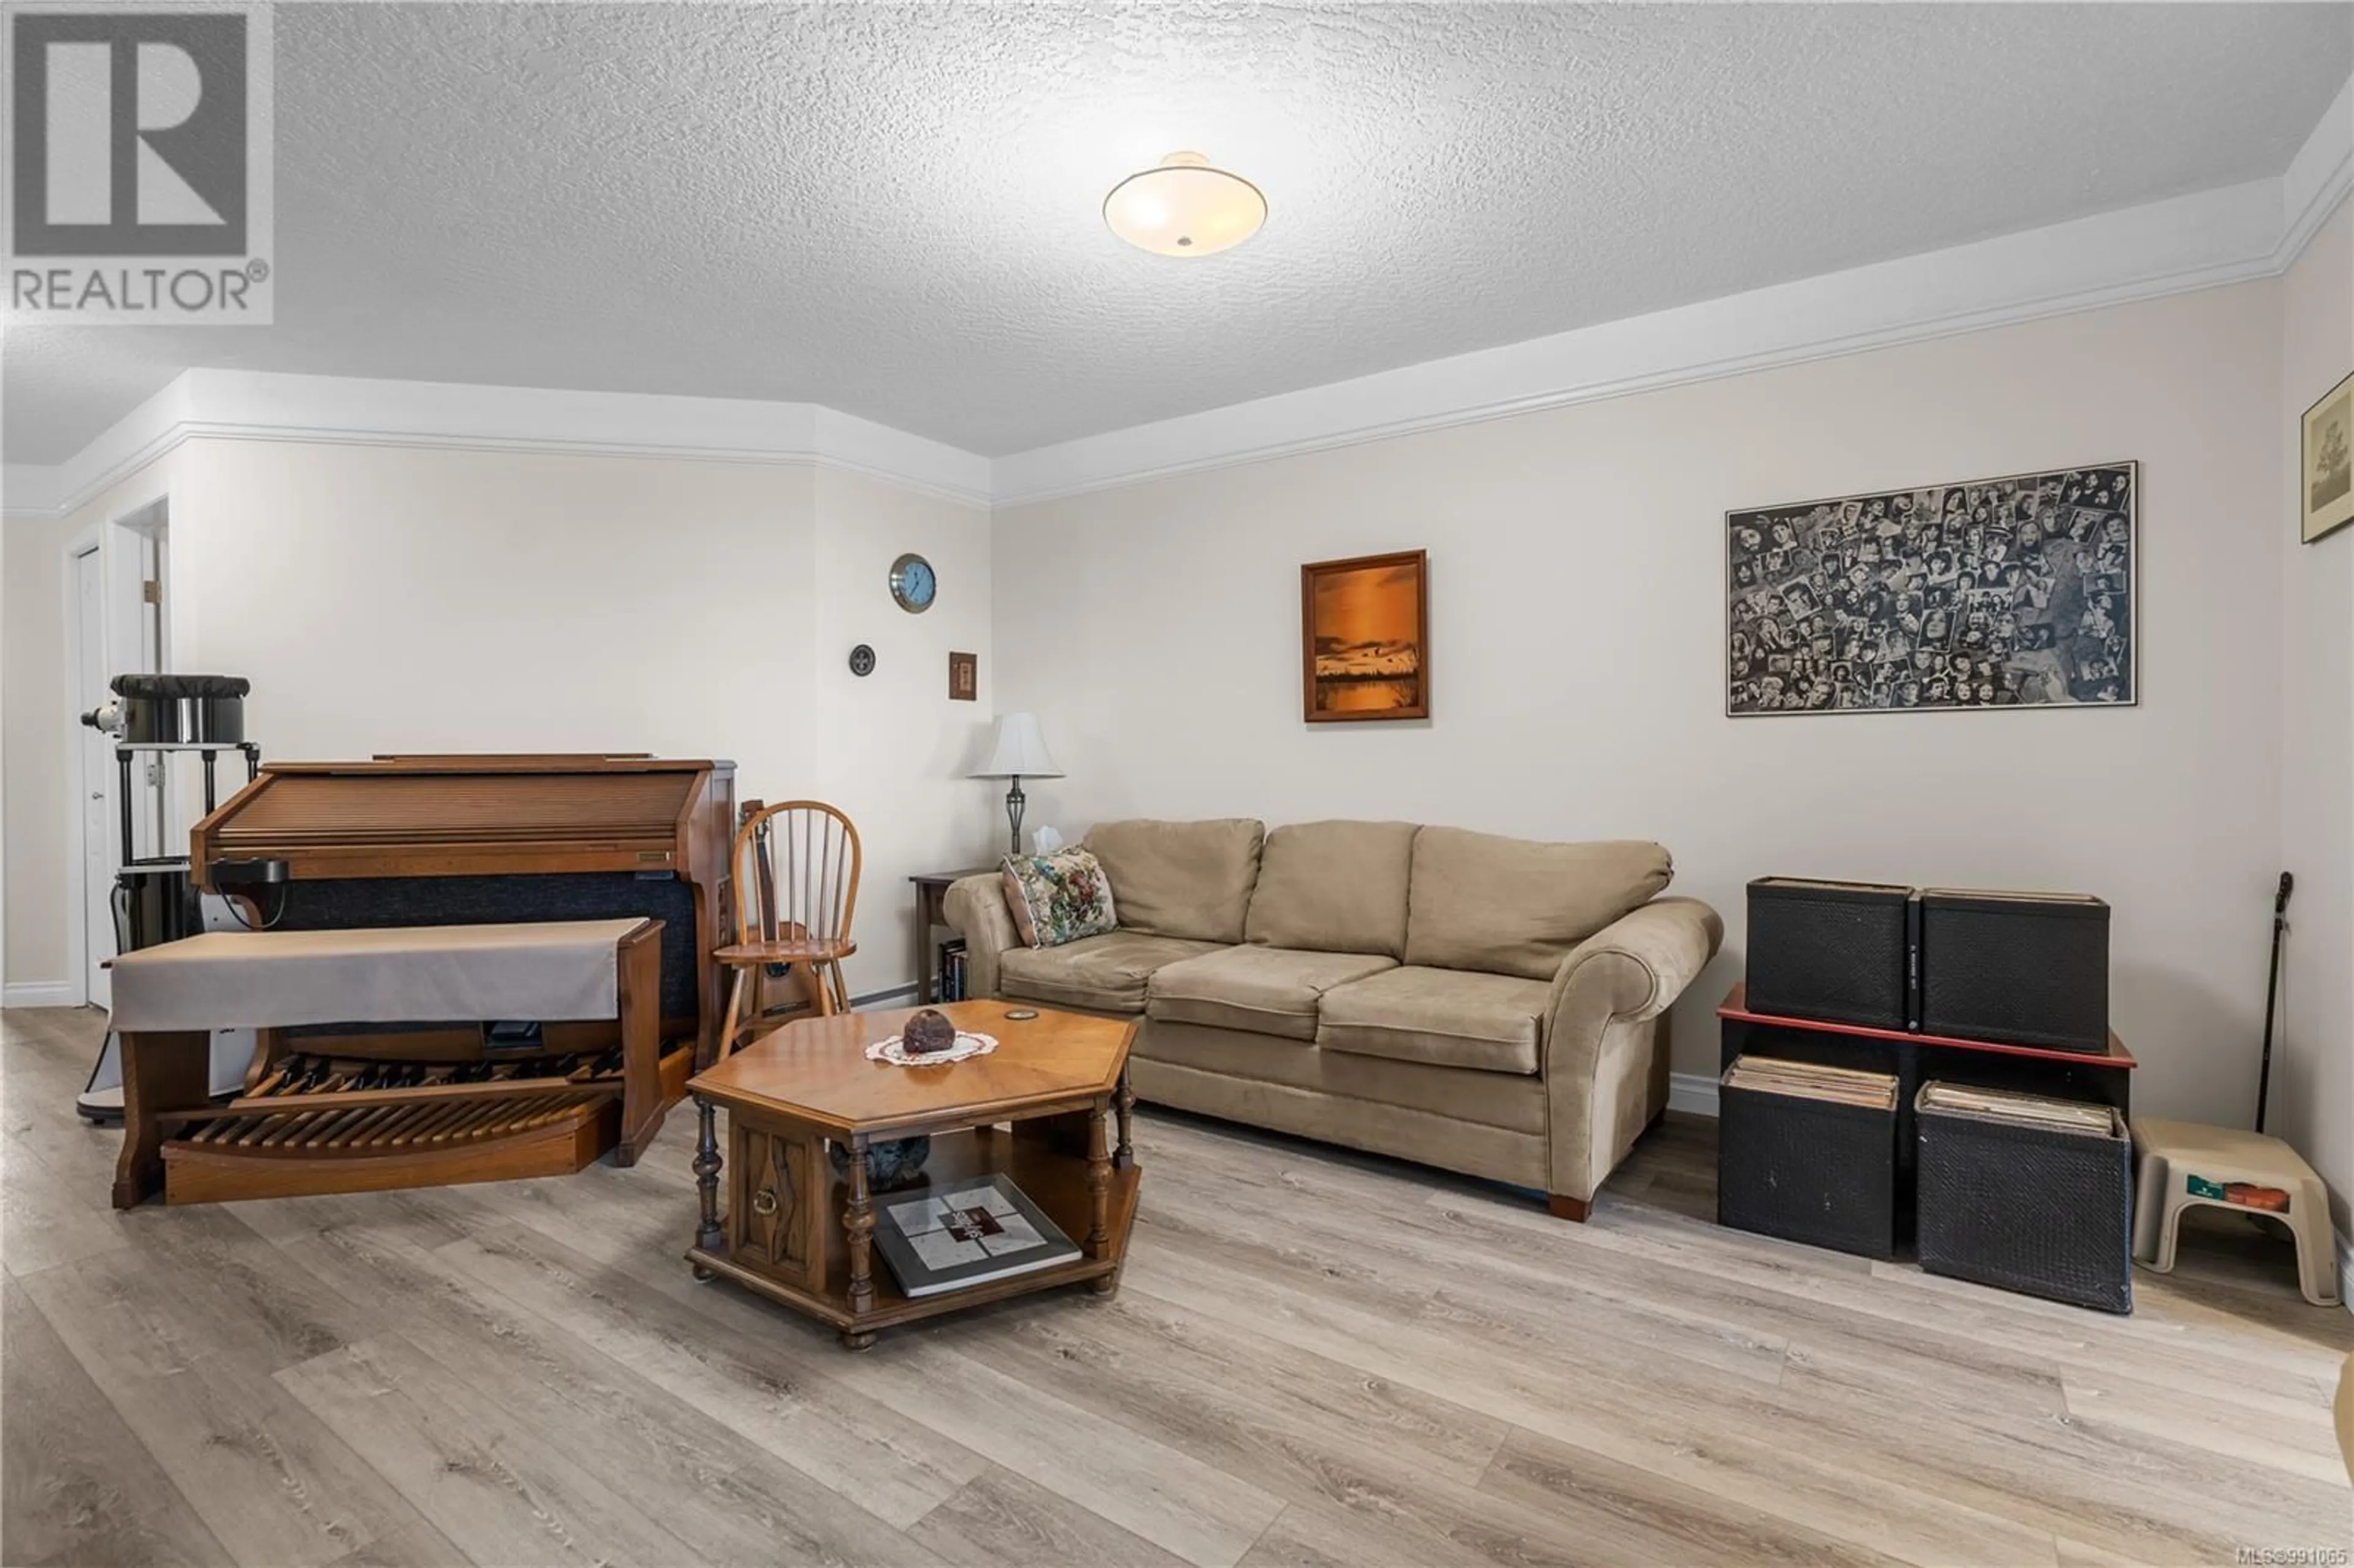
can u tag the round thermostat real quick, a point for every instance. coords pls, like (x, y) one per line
(862, 659)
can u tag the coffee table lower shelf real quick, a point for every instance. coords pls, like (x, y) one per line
(813, 1277)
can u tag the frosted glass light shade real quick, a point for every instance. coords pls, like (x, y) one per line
(1018, 750)
(1184, 207)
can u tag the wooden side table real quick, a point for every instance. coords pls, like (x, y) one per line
(931, 893)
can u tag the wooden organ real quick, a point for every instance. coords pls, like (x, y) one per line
(411, 842)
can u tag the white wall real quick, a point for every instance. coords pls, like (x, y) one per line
(2312, 1064)
(392, 598)
(1577, 630)
(895, 746)
(33, 662)
(388, 598)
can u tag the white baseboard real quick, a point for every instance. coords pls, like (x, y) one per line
(1692, 1093)
(878, 998)
(39, 993)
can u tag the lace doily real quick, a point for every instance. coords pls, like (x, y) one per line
(894, 1051)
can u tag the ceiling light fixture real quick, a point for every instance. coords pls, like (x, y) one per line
(1184, 207)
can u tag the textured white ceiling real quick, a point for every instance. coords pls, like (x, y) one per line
(893, 210)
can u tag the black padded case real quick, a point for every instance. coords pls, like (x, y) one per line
(2029, 1209)
(1807, 1170)
(2020, 968)
(1835, 951)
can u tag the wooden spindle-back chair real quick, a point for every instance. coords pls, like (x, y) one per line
(796, 872)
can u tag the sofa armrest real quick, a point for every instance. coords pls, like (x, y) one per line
(1638, 963)
(975, 908)
(1606, 1038)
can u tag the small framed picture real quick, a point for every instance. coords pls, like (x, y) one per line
(2325, 472)
(964, 677)
(1364, 634)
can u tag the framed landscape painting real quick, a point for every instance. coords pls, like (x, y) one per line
(2013, 592)
(2326, 474)
(1365, 634)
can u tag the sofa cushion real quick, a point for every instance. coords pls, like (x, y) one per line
(1181, 879)
(1267, 991)
(1333, 887)
(1515, 907)
(1454, 1018)
(1058, 898)
(1513, 1102)
(1108, 973)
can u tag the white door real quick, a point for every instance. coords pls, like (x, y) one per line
(99, 827)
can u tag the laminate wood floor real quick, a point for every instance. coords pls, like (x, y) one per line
(1315, 1358)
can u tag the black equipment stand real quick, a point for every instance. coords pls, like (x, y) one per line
(154, 901)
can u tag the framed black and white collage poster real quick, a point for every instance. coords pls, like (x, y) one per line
(1990, 593)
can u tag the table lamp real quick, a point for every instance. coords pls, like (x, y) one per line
(1017, 751)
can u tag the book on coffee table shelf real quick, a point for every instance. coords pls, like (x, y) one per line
(980, 1230)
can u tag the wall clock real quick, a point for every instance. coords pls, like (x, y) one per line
(914, 584)
(862, 659)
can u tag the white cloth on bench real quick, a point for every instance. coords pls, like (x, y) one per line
(543, 971)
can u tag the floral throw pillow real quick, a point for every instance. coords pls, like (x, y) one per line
(1058, 898)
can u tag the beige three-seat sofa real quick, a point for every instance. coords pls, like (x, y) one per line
(1490, 1005)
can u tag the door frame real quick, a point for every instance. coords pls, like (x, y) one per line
(90, 541)
(116, 538)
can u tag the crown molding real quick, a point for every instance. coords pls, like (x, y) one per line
(237, 405)
(2317, 178)
(2235, 234)
(2198, 241)
(129, 444)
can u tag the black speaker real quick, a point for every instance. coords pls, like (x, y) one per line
(2021, 969)
(1836, 951)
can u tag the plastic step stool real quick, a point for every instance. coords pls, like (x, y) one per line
(2174, 1153)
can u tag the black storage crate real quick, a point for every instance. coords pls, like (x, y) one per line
(1807, 1170)
(2025, 969)
(2036, 1210)
(1838, 951)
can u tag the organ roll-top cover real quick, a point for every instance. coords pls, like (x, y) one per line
(504, 812)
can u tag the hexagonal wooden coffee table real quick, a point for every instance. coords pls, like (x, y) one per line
(799, 1233)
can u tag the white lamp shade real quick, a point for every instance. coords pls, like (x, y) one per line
(1018, 751)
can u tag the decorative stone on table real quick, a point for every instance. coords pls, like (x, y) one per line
(929, 1039)
(927, 1032)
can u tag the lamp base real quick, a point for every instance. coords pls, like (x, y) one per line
(1014, 801)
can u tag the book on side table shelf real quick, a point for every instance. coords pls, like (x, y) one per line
(984, 1230)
